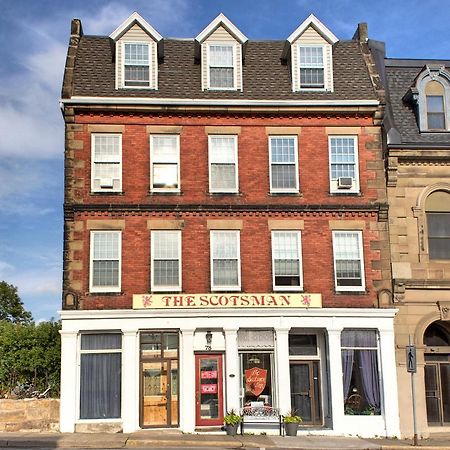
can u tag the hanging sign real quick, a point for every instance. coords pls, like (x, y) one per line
(220, 301)
(255, 380)
(209, 388)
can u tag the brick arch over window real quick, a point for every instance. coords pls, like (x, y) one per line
(433, 99)
(432, 211)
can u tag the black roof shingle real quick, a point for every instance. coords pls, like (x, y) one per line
(265, 77)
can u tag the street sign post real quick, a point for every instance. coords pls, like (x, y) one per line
(411, 362)
(411, 367)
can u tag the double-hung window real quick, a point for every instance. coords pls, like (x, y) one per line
(106, 157)
(221, 66)
(100, 376)
(136, 64)
(286, 260)
(225, 261)
(105, 261)
(435, 112)
(283, 164)
(223, 164)
(166, 260)
(344, 174)
(165, 163)
(311, 67)
(348, 261)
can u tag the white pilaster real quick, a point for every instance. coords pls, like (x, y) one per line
(69, 382)
(336, 386)
(389, 382)
(130, 381)
(232, 374)
(282, 365)
(187, 385)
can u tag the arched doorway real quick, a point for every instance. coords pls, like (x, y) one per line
(437, 372)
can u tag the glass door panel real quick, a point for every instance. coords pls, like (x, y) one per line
(209, 387)
(173, 420)
(300, 391)
(305, 391)
(155, 393)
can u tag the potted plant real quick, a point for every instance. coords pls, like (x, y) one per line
(232, 421)
(291, 421)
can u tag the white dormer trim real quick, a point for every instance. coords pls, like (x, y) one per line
(128, 23)
(221, 19)
(135, 31)
(313, 21)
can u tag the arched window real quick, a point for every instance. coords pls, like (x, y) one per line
(437, 208)
(437, 334)
(435, 95)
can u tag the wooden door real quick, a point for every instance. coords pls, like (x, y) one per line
(209, 389)
(305, 391)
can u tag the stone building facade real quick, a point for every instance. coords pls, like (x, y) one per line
(417, 126)
(225, 232)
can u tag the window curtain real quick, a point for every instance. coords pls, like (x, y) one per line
(100, 386)
(347, 368)
(369, 372)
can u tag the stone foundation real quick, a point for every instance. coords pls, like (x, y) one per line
(29, 415)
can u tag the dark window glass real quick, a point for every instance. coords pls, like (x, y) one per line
(302, 344)
(435, 112)
(439, 235)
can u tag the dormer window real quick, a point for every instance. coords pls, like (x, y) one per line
(136, 64)
(309, 52)
(431, 94)
(219, 48)
(435, 112)
(221, 66)
(138, 47)
(311, 67)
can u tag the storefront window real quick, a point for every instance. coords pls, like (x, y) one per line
(360, 372)
(256, 379)
(100, 376)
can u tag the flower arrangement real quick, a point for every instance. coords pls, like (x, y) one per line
(232, 418)
(292, 417)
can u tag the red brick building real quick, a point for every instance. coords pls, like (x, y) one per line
(225, 216)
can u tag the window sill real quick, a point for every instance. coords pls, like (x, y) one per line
(104, 193)
(169, 193)
(105, 293)
(225, 194)
(343, 292)
(287, 194)
(345, 194)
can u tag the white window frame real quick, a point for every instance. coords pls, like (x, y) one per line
(112, 161)
(325, 67)
(150, 64)
(167, 288)
(79, 353)
(362, 287)
(153, 189)
(99, 289)
(288, 190)
(235, 189)
(299, 249)
(220, 44)
(355, 189)
(236, 233)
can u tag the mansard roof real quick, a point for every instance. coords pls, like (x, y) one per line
(401, 76)
(179, 74)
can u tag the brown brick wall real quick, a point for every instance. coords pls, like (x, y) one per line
(253, 160)
(256, 263)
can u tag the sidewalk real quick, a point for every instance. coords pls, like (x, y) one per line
(176, 439)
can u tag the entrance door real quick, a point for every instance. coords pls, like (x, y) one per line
(159, 379)
(437, 392)
(305, 391)
(208, 389)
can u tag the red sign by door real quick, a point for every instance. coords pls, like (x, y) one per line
(209, 389)
(209, 375)
(255, 380)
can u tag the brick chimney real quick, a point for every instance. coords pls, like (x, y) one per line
(362, 33)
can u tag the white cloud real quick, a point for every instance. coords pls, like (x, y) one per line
(5, 270)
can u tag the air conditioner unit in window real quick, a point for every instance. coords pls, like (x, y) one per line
(106, 182)
(345, 182)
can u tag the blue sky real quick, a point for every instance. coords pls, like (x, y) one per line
(33, 41)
